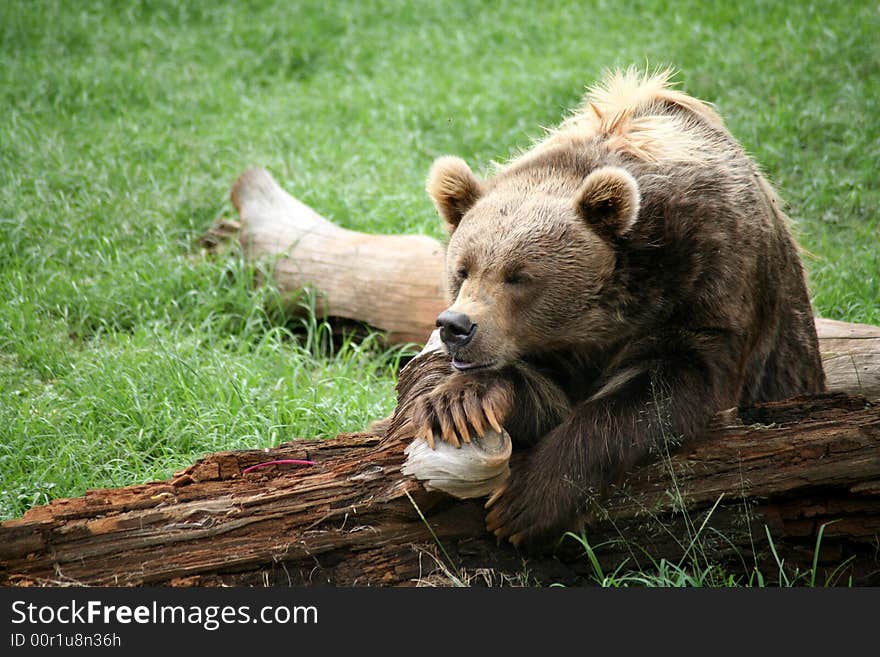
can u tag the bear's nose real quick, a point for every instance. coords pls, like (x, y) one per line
(456, 329)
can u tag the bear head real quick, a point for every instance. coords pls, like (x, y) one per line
(527, 261)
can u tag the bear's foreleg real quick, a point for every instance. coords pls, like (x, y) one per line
(516, 398)
(435, 402)
(462, 405)
(640, 410)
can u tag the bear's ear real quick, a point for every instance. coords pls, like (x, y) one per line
(609, 201)
(454, 189)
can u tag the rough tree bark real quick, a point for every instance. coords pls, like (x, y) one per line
(784, 472)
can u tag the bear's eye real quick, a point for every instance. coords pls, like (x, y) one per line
(516, 278)
(462, 273)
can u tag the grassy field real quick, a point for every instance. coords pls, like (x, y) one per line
(125, 355)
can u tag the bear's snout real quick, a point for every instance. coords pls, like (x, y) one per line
(456, 329)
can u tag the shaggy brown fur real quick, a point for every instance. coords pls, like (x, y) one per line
(623, 280)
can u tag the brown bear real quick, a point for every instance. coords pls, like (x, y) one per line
(611, 289)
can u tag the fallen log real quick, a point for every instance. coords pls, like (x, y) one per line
(850, 356)
(383, 280)
(786, 472)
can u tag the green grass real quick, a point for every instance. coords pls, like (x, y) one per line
(124, 355)
(696, 569)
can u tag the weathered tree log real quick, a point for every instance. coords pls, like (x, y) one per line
(789, 470)
(395, 283)
(850, 356)
(383, 280)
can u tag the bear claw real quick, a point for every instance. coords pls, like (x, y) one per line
(489, 411)
(498, 492)
(458, 418)
(474, 411)
(460, 409)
